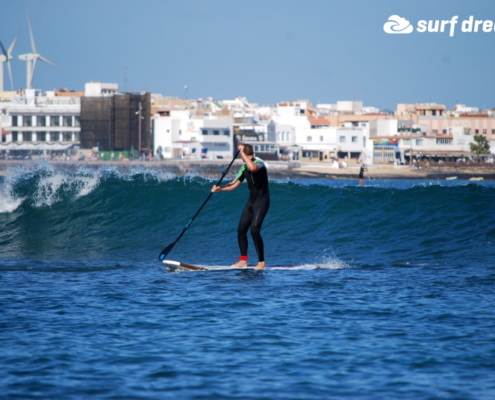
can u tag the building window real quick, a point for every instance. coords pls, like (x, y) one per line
(216, 132)
(54, 136)
(342, 139)
(27, 120)
(41, 136)
(444, 141)
(435, 131)
(15, 136)
(204, 132)
(484, 131)
(321, 138)
(226, 132)
(40, 120)
(27, 136)
(493, 131)
(54, 120)
(354, 139)
(15, 120)
(444, 131)
(476, 131)
(67, 120)
(67, 136)
(309, 138)
(419, 142)
(77, 121)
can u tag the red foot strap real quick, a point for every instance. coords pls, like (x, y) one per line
(243, 258)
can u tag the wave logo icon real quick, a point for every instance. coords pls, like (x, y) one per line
(396, 24)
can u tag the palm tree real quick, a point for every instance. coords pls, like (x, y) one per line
(480, 145)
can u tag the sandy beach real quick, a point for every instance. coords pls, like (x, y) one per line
(280, 170)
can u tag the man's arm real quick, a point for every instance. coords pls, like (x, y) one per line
(253, 167)
(227, 188)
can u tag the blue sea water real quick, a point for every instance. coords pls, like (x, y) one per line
(403, 310)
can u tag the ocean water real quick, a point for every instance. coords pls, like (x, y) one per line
(404, 308)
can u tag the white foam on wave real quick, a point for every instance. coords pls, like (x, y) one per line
(47, 190)
(331, 262)
(86, 185)
(8, 201)
(147, 174)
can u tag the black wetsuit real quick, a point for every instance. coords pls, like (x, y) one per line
(255, 209)
(361, 172)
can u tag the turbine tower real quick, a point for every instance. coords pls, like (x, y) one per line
(6, 57)
(31, 58)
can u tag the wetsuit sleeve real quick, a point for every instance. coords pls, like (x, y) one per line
(240, 175)
(259, 162)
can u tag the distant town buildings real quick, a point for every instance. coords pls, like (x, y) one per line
(102, 121)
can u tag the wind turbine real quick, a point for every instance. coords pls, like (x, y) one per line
(6, 57)
(31, 58)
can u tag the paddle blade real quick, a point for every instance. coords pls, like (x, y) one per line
(165, 251)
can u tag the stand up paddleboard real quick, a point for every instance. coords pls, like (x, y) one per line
(176, 266)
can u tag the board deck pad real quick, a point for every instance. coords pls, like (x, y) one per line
(177, 266)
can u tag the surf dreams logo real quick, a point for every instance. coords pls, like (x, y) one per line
(398, 25)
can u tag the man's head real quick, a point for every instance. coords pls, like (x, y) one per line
(248, 149)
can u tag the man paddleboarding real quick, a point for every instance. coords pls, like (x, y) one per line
(254, 171)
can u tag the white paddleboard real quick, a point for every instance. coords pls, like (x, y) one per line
(177, 266)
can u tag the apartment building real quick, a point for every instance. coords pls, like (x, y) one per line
(33, 124)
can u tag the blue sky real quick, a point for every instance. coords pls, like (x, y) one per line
(266, 50)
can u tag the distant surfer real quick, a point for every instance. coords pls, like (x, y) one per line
(361, 174)
(254, 170)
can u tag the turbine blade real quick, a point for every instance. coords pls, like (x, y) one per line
(33, 44)
(4, 51)
(32, 73)
(48, 62)
(10, 73)
(11, 48)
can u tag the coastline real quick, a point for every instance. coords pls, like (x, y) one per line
(281, 170)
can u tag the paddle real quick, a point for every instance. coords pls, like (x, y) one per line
(169, 248)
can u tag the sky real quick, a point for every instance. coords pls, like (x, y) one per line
(268, 51)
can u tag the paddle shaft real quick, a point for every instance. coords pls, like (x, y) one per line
(169, 248)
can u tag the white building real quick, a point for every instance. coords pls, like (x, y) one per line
(453, 145)
(181, 134)
(36, 125)
(300, 130)
(96, 88)
(399, 141)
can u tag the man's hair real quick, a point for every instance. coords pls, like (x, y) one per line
(248, 149)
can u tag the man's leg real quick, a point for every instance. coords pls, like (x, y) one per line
(242, 229)
(259, 210)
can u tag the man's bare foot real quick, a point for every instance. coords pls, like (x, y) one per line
(240, 264)
(261, 265)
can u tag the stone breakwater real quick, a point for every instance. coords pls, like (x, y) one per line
(278, 169)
